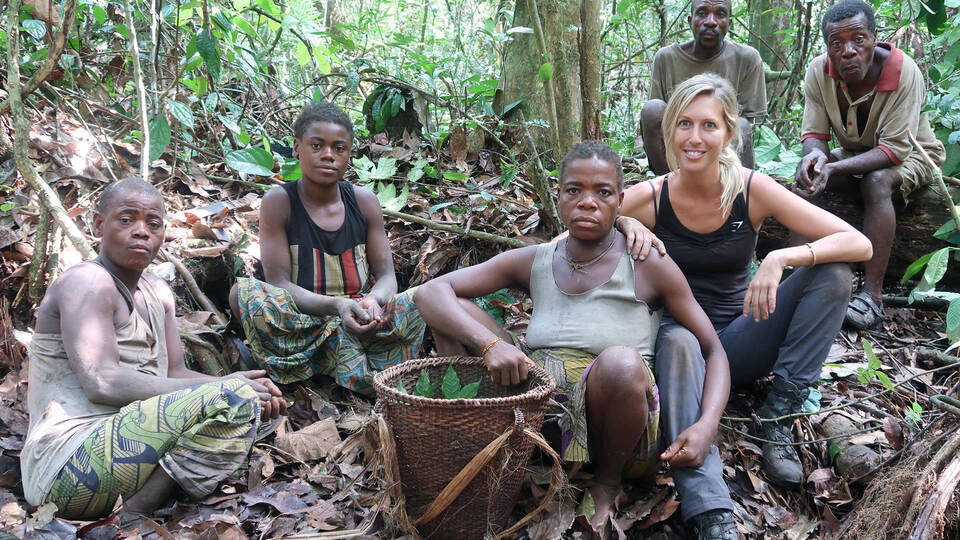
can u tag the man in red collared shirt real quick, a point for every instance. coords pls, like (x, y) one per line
(869, 95)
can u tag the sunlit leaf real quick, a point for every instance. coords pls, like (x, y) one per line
(159, 136)
(546, 72)
(303, 54)
(251, 160)
(207, 47)
(36, 28)
(953, 320)
(181, 112)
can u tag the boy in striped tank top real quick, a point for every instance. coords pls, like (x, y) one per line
(330, 304)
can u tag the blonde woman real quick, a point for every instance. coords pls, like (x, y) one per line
(707, 212)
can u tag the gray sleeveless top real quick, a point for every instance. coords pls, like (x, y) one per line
(607, 315)
(61, 415)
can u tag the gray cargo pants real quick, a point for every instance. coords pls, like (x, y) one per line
(793, 343)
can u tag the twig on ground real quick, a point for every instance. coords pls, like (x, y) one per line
(490, 237)
(194, 289)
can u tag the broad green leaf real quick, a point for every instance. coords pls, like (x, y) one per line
(455, 176)
(936, 268)
(884, 380)
(323, 63)
(303, 54)
(397, 203)
(159, 136)
(587, 507)
(469, 391)
(197, 84)
(439, 206)
(385, 193)
(946, 231)
(864, 375)
(270, 7)
(246, 28)
(415, 173)
(207, 47)
(916, 407)
(181, 112)
(229, 123)
(99, 14)
(251, 160)
(123, 31)
(546, 72)
(36, 28)
(290, 171)
(834, 450)
(424, 388)
(509, 107)
(386, 168)
(953, 321)
(868, 354)
(400, 387)
(451, 383)
(915, 267)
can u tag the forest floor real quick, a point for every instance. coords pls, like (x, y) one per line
(310, 479)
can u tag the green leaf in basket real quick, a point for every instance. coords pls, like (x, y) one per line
(451, 383)
(400, 387)
(424, 388)
(469, 391)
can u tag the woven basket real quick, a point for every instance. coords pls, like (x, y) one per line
(436, 440)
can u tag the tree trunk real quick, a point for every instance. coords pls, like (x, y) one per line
(914, 237)
(520, 75)
(590, 29)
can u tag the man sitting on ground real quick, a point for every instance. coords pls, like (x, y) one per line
(324, 308)
(110, 397)
(707, 52)
(870, 96)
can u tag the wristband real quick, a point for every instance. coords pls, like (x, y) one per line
(812, 252)
(489, 346)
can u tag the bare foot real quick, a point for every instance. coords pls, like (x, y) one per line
(604, 501)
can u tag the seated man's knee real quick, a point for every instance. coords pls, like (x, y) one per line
(878, 186)
(651, 114)
(746, 131)
(623, 366)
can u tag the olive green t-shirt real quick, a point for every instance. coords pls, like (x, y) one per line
(739, 64)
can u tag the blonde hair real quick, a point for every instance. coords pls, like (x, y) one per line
(709, 84)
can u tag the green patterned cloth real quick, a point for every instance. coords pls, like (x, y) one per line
(293, 346)
(570, 368)
(199, 435)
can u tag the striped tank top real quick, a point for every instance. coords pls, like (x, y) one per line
(332, 263)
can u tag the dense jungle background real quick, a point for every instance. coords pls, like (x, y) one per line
(461, 109)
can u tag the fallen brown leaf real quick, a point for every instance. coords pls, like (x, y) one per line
(312, 442)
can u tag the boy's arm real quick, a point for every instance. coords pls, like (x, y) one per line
(378, 248)
(668, 280)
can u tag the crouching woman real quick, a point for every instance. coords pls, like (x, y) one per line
(593, 327)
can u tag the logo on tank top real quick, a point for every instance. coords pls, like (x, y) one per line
(735, 226)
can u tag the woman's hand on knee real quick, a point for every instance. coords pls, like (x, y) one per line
(272, 404)
(761, 298)
(691, 447)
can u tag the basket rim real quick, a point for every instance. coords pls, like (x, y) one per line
(385, 391)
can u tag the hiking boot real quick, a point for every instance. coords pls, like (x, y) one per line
(781, 461)
(715, 525)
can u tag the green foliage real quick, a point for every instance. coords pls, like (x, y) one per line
(773, 157)
(159, 136)
(251, 160)
(450, 386)
(495, 303)
(873, 369)
(384, 103)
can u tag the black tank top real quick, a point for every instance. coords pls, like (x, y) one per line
(328, 262)
(716, 264)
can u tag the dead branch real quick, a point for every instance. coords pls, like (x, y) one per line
(541, 182)
(48, 197)
(141, 92)
(928, 505)
(194, 289)
(59, 40)
(490, 237)
(927, 304)
(938, 176)
(39, 258)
